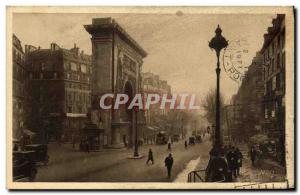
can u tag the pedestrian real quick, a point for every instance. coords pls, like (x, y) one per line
(169, 146)
(169, 163)
(185, 144)
(253, 155)
(231, 160)
(217, 168)
(150, 157)
(239, 156)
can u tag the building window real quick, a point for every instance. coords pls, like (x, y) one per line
(73, 66)
(273, 113)
(42, 66)
(83, 68)
(55, 75)
(66, 65)
(69, 109)
(273, 83)
(69, 98)
(41, 76)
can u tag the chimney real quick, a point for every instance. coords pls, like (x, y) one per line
(75, 50)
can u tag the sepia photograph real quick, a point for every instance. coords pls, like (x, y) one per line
(150, 97)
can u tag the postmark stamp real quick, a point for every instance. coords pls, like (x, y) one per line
(233, 59)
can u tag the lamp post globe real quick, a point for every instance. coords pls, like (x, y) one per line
(218, 42)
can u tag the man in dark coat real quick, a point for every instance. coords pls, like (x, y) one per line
(217, 169)
(169, 146)
(169, 164)
(239, 159)
(253, 154)
(185, 144)
(231, 160)
(150, 157)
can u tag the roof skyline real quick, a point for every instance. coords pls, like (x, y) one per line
(177, 45)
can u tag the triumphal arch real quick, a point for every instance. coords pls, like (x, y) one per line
(116, 68)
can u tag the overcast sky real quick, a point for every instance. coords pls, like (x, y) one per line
(177, 45)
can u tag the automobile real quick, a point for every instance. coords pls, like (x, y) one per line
(24, 168)
(198, 138)
(40, 155)
(192, 140)
(162, 138)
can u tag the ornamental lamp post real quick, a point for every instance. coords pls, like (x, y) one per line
(136, 149)
(218, 42)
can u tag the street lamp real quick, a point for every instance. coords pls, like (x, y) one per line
(218, 42)
(136, 149)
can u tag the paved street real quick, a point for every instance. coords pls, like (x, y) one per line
(113, 165)
(70, 165)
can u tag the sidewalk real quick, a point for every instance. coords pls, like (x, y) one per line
(266, 170)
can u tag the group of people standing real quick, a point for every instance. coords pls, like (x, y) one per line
(225, 163)
(234, 159)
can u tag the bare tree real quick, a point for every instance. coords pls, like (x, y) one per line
(209, 105)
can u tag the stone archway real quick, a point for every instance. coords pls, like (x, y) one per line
(115, 74)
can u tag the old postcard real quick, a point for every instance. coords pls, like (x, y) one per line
(150, 98)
